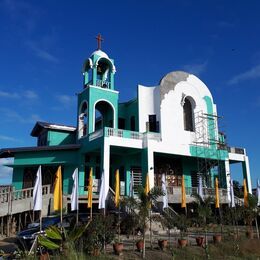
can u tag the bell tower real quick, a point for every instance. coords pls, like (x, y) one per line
(98, 102)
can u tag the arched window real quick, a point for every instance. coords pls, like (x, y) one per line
(188, 115)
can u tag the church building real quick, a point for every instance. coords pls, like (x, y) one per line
(170, 128)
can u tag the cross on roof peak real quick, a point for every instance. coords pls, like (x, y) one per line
(99, 40)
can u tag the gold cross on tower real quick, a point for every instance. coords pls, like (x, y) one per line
(99, 40)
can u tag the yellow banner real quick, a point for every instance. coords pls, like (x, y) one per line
(117, 188)
(183, 193)
(57, 194)
(90, 186)
(217, 194)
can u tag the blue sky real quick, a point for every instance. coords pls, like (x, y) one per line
(43, 45)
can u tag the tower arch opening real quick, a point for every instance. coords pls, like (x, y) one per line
(104, 115)
(104, 70)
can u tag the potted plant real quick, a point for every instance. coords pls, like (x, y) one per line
(182, 223)
(203, 212)
(118, 247)
(100, 232)
(162, 243)
(141, 207)
(140, 245)
(250, 214)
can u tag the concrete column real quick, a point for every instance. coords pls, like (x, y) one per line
(228, 177)
(106, 165)
(148, 166)
(246, 173)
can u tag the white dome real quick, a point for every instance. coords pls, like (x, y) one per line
(100, 54)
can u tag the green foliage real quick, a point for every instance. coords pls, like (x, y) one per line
(47, 243)
(139, 208)
(252, 211)
(203, 210)
(238, 189)
(56, 238)
(100, 231)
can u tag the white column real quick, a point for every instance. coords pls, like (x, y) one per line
(228, 177)
(106, 165)
(248, 176)
(151, 167)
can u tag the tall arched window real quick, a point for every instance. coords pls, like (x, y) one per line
(188, 115)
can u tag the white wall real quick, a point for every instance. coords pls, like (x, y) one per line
(169, 111)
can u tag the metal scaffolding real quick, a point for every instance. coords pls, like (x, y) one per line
(208, 141)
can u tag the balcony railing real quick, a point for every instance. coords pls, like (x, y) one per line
(123, 133)
(103, 83)
(236, 150)
(172, 190)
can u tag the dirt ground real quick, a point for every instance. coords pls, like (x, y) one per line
(8, 245)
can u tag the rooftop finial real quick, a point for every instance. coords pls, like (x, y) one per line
(99, 40)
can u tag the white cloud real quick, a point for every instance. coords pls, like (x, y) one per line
(252, 73)
(9, 115)
(66, 99)
(226, 24)
(6, 172)
(42, 53)
(196, 68)
(8, 138)
(30, 94)
(6, 94)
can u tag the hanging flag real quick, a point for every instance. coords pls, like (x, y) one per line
(232, 197)
(164, 189)
(37, 191)
(245, 194)
(258, 192)
(200, 188)
(131, 188)
(102, 195)
(90, 188)
(57, 194)
(117, 188)
(217, 194)
(183, 193)
(147, 185)
(75, 191)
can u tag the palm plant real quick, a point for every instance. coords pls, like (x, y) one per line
(142, 206)
(59, 239)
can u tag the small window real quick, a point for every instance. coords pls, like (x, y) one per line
(188, 116)
(152, 123)
(121, 123)
(132, 123)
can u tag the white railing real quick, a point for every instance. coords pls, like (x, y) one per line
(153, 136)
(103, 83)
(95, 134)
